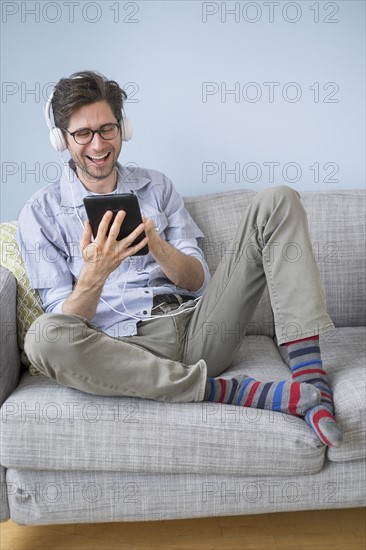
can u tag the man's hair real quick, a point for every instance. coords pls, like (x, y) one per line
(84, 88)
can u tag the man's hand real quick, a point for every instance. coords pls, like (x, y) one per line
(101, 257)
(105, 253)
(151, 233)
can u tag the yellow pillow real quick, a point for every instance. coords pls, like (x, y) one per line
(29, 305)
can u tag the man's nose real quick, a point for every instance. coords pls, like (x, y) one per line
(97, 141)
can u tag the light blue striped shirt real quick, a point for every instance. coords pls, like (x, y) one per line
(49, 234)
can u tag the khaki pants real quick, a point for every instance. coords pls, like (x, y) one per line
(171, 357)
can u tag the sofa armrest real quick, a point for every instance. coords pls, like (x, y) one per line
(10, 363)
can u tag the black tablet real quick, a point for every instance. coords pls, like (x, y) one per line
(97, 205)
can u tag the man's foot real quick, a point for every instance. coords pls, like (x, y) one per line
(288, 397)
(325, 426)
(304, 359)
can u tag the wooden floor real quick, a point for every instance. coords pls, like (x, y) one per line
(319, 530)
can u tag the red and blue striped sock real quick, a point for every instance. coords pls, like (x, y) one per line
(284, 396)
(304, 358)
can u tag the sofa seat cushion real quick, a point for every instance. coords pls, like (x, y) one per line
(344, 357)
(49, 427)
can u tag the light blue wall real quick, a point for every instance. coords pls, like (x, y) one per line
(296, 72)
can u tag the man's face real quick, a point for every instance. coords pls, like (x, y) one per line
(96, 160)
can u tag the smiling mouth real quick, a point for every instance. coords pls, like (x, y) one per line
(99, 159)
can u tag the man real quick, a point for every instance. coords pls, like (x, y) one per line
(117, 323)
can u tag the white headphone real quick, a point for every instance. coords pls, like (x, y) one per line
(57, 138)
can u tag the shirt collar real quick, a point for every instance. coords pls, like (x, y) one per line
(73, 191)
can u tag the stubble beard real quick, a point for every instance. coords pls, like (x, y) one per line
(85, 174)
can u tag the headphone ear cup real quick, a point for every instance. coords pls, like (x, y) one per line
(127, 129)
(57, 140)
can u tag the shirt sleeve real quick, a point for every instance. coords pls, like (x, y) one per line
(191, 248)
(42, 248)
(53, 298)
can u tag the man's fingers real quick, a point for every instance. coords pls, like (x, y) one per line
(127, 241)
(116, 225)
(141, 244)
(109, 247)
(86, 236)
(127, 247)
(104, 224)
(137, 247)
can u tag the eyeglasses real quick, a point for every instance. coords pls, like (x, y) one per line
(86, 135)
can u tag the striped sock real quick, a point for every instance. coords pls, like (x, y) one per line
(306, 364)
(288, 397)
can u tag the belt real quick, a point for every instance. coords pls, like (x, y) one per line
(160, 299)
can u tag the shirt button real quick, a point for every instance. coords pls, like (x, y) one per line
(146, 292)
(144, 312)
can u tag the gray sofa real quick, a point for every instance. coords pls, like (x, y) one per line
(71, 457)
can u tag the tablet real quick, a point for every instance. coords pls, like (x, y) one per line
(97, 205)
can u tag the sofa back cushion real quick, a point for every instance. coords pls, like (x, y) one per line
(337, 231)
(337, 223)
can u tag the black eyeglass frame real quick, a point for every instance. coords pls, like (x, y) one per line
(93, 132)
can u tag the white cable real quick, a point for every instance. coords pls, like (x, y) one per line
(66, 167)
(150, 317)
(127, 313)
